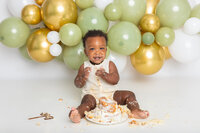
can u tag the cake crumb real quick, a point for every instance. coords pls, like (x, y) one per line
(38, 124)
(60, 100)
(150, 123)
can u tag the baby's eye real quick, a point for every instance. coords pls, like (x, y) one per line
(91, 48)
(102, 48)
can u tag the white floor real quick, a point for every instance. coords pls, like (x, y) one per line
(175, 101)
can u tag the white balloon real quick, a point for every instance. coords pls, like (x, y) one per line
(55, 49)
(119, 60)
(185, 48)
(16, 6)
(192, 26)
(101, 4)
(192, 3)
(53, 37)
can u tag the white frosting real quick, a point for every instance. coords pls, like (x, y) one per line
(102, 115)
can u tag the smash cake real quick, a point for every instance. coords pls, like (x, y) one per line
(107, 112)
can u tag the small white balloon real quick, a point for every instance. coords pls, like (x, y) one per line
(192, 26)
(55, 49)
(16, 6)
(119, 60)
(101, 4)
(53, 37)
(185, 48)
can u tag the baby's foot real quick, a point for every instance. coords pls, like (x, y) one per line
(74, 116)
(139, 114)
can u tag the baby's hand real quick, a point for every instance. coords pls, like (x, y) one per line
(87, 72)
(100, 72)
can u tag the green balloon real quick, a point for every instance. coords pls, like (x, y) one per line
(165, 36)
(132, 10)
(196, 11)
(74, 56)
(148, 38)
(124, 38)
(173, 13)
(14, 32)
(107, 52)
(70, 34)
(24, 52)
(92, 18)
(113, 12)
(84, 3)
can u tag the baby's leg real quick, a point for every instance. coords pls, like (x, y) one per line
(128, 97)
(88, 103)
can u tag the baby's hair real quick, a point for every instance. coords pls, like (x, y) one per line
(94, 33)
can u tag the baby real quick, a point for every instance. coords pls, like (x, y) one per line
(98, 78)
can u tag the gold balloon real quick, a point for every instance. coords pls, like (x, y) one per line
(150, 23)
(148, 59)
(151, 6)
(31, 14)
(39, 2)
(56, 13)
(38, 46)
(167, 53)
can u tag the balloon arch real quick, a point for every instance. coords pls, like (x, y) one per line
(147, 31)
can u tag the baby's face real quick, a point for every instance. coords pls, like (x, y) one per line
(96, 49)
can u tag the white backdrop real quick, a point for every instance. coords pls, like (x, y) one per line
(14, 66)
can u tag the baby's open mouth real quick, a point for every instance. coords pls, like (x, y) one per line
(97, 58)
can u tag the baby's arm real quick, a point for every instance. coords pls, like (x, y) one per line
(112, 77)
(82, 76)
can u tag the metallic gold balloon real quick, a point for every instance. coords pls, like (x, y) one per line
(39, 2)
(38, 46)
(150, 23)
(167, 53)
(151, 6)
(148, 59)
(31, 14)
(56, 13)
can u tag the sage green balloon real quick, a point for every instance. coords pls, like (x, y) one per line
(84, 3)
(14, 32)
(124, 38)
(132, 10)
(165, 36)
(107, 52)
(196, 11)
(113, 12)
(24, 52)
(74, 56)
(148, 38)
(173, 13)
(70, 34)
(92, 18)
